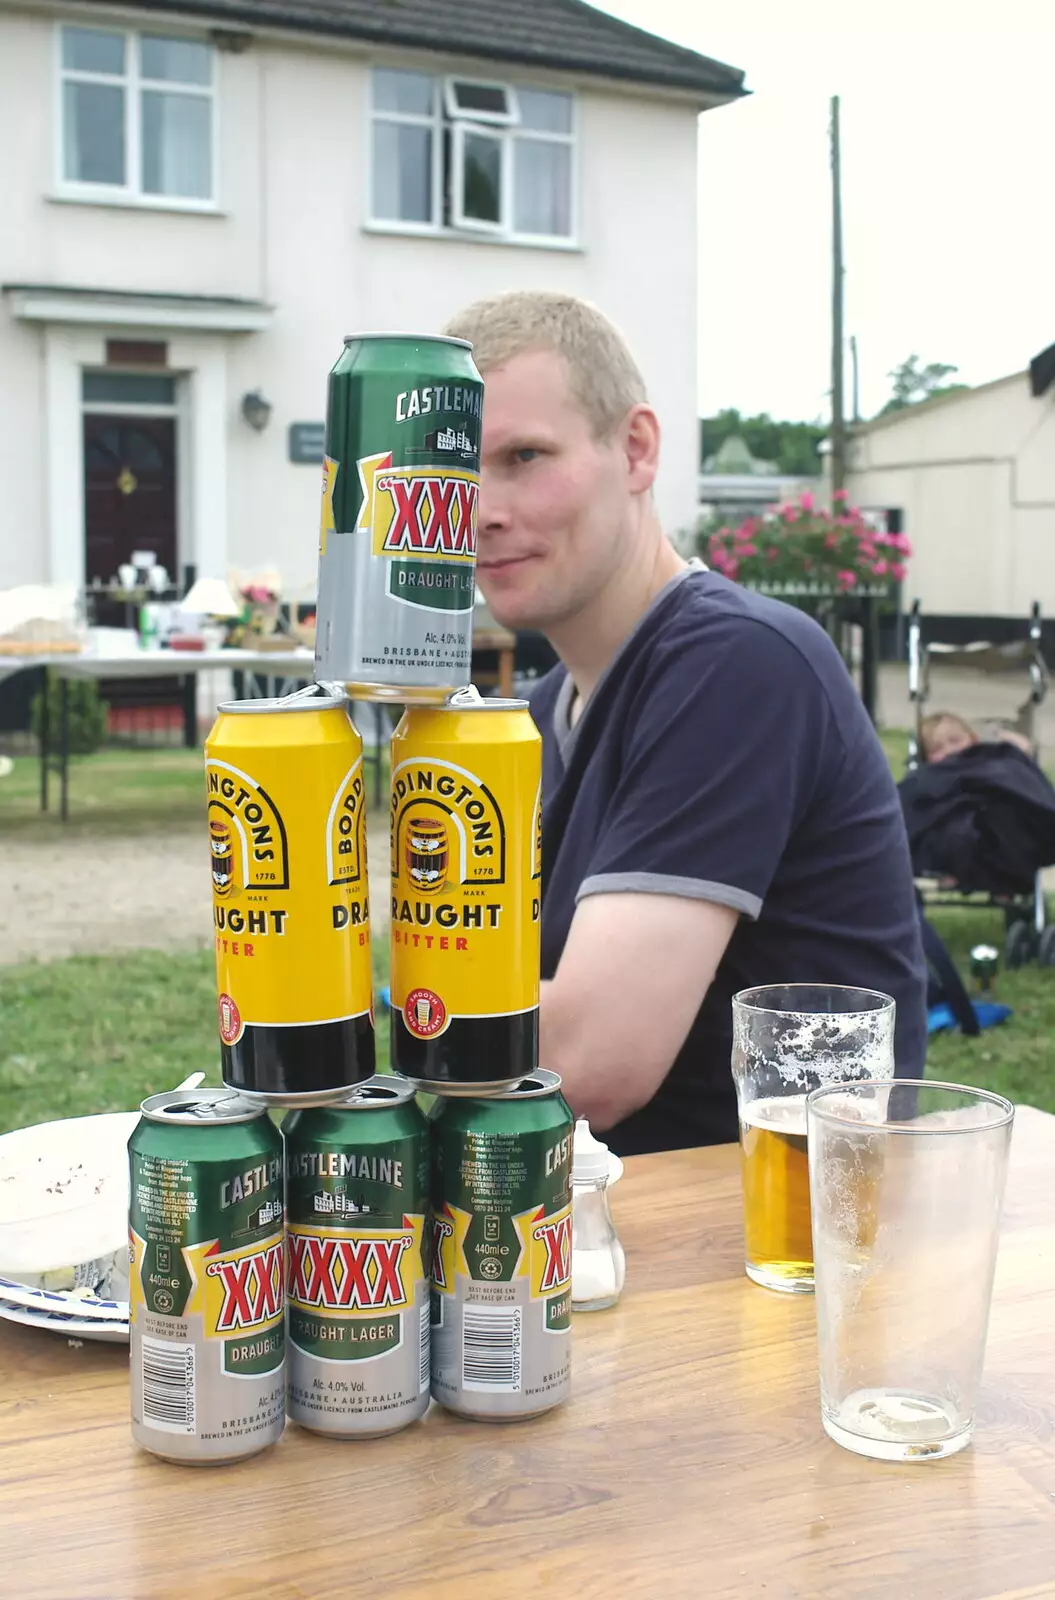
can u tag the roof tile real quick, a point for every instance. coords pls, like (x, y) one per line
(565, 34)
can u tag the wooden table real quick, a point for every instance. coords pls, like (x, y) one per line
(690, 1462)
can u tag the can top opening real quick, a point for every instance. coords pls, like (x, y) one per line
(470, 699)
(199, 1107)
(425, 338)
(534, 1086)
(383, 1090)
(316, 697)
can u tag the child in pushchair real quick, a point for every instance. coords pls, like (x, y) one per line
(979, 811)
(944, 734)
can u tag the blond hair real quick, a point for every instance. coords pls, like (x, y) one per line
(604, 376)
(937, 722)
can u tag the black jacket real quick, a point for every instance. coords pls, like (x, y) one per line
(985, 816)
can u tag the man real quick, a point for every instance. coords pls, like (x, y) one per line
(717, 809)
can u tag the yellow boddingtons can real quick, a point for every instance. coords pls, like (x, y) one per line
(287, 836)
(466, 797)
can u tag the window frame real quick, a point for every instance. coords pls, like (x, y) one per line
(460, 221)
(132, 84)
(510, 118)
(443, 126)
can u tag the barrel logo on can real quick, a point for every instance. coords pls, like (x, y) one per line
(221, 850)
(239, 806)
(429, 796)
(415, 517)
(427, 853)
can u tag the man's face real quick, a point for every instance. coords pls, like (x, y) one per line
(555, 504)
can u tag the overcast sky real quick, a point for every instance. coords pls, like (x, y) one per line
(948, 150)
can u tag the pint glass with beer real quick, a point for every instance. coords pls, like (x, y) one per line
(789, 1039)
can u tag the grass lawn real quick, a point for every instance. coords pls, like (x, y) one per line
(115, 791)
(99, 1033)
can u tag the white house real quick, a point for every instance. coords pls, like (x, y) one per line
(973, 476)
(198, 200)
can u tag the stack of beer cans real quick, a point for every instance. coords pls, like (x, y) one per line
(370, 1255)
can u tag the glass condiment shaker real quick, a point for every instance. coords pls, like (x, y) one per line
(598, 1265)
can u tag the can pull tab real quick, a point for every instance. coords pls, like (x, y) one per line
(469, 696)
(312, 691)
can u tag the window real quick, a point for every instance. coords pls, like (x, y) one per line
(473, 156)
(124, 388)
(137, 116)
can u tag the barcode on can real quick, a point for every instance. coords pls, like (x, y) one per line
(425, 1348)
(168, 1385)
(491, 1348)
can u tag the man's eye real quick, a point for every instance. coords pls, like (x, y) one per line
(526, 454)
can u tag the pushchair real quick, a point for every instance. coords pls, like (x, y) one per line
(1028, 936)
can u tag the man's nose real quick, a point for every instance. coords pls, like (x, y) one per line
(492, 506)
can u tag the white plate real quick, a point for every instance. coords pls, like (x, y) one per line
(64, 1192)
(63, 1302)
(69, 1327)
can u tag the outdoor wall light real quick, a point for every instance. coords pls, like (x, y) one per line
(256, 410)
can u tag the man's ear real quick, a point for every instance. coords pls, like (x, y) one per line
(640, 440)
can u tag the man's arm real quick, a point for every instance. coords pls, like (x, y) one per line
(630, 981)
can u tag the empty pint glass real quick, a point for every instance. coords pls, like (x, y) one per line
(789, 1039)
(908, 1183)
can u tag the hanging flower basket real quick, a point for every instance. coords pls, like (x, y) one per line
(803, 553)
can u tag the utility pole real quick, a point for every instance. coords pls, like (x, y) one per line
(838, 428)
(855, 403)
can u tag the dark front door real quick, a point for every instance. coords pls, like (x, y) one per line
(129, 492)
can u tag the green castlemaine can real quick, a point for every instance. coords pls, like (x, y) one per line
(206, 1277)
(357, 1176)
(397, 538)
(501, 1257)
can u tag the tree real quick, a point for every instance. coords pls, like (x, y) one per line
(792, 446)
(913, 383)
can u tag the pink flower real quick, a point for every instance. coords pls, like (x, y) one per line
(807, 502)
(900, 541)
(846, 580)
(898, 570)
(881, 569)
(840, 494)
(746, 550)
(831, 541)
(772, 555)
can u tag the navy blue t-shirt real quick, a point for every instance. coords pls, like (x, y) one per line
(725, 756)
